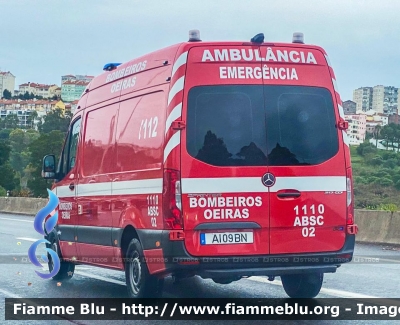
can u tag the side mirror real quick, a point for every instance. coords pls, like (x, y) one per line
(49, 167)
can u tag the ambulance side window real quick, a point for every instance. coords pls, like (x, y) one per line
(68, 158)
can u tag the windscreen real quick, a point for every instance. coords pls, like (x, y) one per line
(257, 125)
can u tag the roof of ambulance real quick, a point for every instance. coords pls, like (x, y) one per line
(170, 53)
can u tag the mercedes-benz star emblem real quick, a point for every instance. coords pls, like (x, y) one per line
(268, 179)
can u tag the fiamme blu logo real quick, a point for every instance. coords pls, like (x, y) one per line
(44, 227)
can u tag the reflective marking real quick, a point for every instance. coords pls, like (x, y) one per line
(64, 191)
(175, 113)
(177, 87)
(254, 184)
(346, 139)
(335, 85)
(145, 186)
(172, 143)
(142, 186)
(341, 112)
(331, 292)
(179, 62)
(99, 189)
(327, 60)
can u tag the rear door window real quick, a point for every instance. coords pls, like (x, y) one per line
(226, 125)
(255, 125)
(301, 127)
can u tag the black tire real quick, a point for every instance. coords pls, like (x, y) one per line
(302, 285)
(66, 268)
(139, 282)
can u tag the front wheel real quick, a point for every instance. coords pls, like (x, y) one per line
(302, 285)
(66, 268)
(139, 282)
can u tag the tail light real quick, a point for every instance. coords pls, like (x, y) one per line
(172, 200)
(352, 229)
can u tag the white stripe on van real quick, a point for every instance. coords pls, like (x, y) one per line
(253, 184)
(64, 191)
(145, 186)
(175, 113)
(327, 60)
(179, 62)
(94, 189)
(172, 143)
(177, 87)
(341, 112)
(346, 139)
(310, 183)
(335, 85)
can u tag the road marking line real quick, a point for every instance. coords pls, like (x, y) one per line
(16, 220)
(332, 292)
(27, 239)
(387, 260)
(10, 294)
(99, 277)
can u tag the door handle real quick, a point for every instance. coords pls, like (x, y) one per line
(288, 194)
(92, 181)
(71, 186)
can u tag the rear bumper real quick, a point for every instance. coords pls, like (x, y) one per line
(178, 261)
(269, 271)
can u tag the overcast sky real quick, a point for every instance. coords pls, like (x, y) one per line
(40, 40)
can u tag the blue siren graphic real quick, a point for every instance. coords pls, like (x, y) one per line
(44, 228)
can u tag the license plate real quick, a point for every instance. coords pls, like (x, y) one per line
(220, 238)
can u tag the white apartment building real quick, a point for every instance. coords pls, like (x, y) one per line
(46, 91)
(22, 114)
(357, 128)
(363, 98)
(7, 81)
(385, 99)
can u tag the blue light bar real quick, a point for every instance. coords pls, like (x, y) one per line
(111, 66)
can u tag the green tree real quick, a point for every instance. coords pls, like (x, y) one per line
(377, 132)
(7, 173)
(55, 120)
(10, 122)
(26, 96)
(388, 133)
(45, 144)
(8, 177)
(376, 161)
(390, 163)
(5, 134)
(19, 142)
(3, 191)
(5, 150)
(7, 94)
(397, 135)
(30, 121)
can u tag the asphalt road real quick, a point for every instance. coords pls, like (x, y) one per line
(379, 279)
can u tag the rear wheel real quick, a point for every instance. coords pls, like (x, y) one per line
(139, 282)
(302, 285)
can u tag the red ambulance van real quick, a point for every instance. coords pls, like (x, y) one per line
(218, 159)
